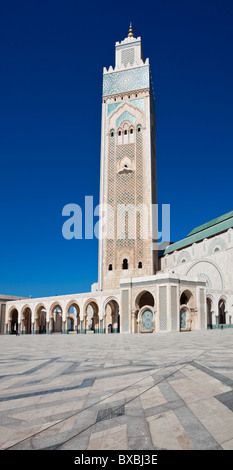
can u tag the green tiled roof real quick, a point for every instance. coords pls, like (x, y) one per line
(216, 221)
(209, 229)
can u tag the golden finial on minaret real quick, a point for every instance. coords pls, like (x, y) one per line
(130, 35)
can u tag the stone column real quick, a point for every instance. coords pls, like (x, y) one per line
(83, 330)
(133, 320)
(101, 326)
(51, 325)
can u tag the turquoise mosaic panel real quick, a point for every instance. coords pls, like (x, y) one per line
(112, 106)
(124, 116)
(139, 103)
(163, 308)
(126, 80)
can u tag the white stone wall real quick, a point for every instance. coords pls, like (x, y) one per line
(211, 260)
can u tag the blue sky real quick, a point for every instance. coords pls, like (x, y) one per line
(52, 56)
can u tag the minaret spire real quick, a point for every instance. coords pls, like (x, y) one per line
(130, 35)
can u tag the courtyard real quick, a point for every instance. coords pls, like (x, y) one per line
(171, 391)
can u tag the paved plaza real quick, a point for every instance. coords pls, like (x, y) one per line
(101, 392)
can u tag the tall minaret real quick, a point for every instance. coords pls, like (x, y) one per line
(128, 168)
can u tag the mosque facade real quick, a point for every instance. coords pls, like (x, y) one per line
(187, 285)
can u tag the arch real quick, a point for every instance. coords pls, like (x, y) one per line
(75, 304)
(91, 316)
(125, 263)
(187, 311)
(206, 279)
(183, 257)
(185, 297)
(205, 266)
(124, 117)
(40, 319)
(55, 305)
(55, 318)
(217, 243)
(144, 298)
(111, 316)
(26, 320)
(73, 316)
(13, 321)
(143, 320)
(38, 307)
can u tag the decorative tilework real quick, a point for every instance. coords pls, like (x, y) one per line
(127, 56)
(174, 307)
(124, 116)
(139, 193)
(139, 103)
(126, 80)
(112, 107)
(125, 46)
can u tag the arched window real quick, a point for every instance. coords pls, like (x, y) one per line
(112, 133)
(125, 132)
(140, 264)
(131, 131)
(110, 267)
(125, 264)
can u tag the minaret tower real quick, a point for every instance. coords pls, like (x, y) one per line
(128, 168)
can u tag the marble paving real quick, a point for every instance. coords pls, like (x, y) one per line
(99, 392)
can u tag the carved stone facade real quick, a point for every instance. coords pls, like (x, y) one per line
(128, 167)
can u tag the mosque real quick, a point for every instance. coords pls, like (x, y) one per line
(187, 285)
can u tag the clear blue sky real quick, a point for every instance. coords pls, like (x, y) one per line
(52, 55)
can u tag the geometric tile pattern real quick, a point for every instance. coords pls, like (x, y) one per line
(174, 312)
(126, 80)
(163, 307)
(133, 392)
